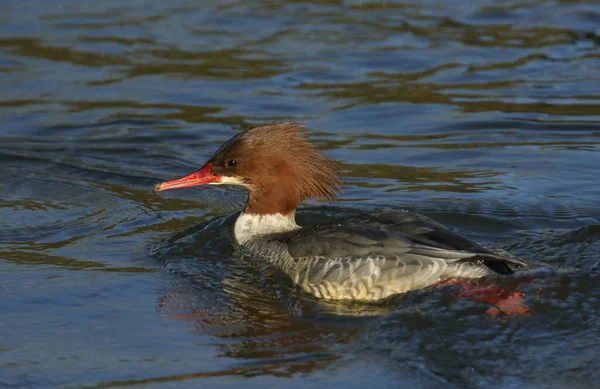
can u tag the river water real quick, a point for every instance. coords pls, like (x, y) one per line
(483, 115)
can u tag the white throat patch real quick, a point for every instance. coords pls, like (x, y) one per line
(230, 180)
(249, 226)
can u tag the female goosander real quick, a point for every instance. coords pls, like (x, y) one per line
(364, 257)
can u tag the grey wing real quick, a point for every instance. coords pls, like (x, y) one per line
(338, 241)
(369, 263)
(426, 231)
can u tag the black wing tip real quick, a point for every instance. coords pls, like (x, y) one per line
(500, 265)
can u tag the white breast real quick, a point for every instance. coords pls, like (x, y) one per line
(250, 226)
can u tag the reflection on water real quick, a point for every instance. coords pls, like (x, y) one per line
(483, 116)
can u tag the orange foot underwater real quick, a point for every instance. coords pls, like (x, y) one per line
(503, 302)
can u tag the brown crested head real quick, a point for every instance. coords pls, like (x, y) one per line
(277, 164)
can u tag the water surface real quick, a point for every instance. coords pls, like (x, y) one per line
(483, 116)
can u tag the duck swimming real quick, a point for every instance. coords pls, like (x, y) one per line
(364, 257)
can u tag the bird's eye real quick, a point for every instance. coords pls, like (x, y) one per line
(231, 163)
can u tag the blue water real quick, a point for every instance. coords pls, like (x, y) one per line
(484, 116)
